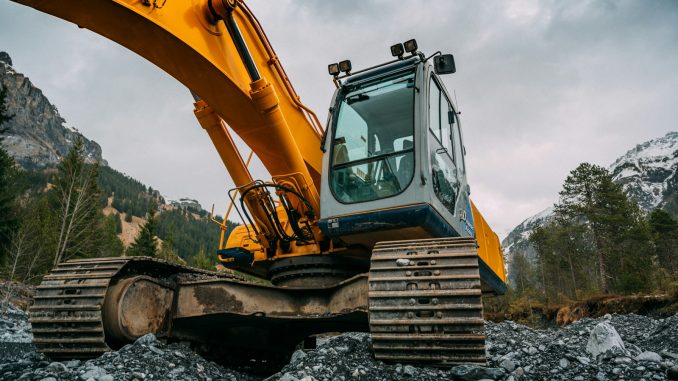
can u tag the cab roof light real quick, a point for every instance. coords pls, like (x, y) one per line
(333, 69)
(345, 66)
(397, 50)
(411, 46)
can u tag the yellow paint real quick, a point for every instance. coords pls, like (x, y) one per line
(489, 249)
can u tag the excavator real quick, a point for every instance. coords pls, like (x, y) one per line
(365, 224)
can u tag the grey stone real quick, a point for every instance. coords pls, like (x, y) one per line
(288, 377)
(649, 356)
(57, 366)
(138, 375)
(49, 379)
(564, 363)
(409, 370)
(402, 262)
(578, 378)
(603, 339)
(474, 372)
(507, 364)
(147, 339)
(667, 354)
(600, 376)
(94, 372)
(297, 356)
(623, 360)
(583, 360)
(672, 373)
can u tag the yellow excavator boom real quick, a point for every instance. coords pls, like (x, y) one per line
(184, 39)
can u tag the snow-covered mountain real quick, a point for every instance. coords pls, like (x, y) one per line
(648, 172)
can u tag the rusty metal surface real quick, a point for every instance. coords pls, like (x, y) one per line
(136, 306)
(425, 302)
(214, 296)
(68, 314)
(86, 307)
(257, 318)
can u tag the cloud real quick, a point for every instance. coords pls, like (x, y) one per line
(542, 86)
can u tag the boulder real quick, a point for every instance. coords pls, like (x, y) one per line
(649, 356)
(604, 338)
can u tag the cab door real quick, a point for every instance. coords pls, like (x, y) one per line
(444, 169)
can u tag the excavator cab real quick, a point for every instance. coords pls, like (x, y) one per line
(394, 156)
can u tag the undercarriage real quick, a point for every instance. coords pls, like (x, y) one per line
(421, 300)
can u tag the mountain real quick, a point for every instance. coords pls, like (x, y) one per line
(648, 172)
(37, 136)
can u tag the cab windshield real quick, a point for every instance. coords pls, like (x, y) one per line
(373, 148)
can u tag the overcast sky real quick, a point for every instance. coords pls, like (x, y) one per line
(542, 86)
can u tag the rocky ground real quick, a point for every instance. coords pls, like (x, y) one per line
(617, 347)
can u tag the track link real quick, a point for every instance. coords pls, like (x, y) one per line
(66, 314)
(425, 302)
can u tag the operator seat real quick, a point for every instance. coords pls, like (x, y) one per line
(406, 165)
(340, 154)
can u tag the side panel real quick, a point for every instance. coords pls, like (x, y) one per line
(489, 249)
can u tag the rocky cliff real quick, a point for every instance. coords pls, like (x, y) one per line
(37, 136)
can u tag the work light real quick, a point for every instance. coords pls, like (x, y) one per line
(397, 50)
(345, 66)
(333, 69)
(411, 46)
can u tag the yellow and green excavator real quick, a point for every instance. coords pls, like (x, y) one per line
(364, 225)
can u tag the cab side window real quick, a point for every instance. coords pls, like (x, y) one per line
(443, 169)
(458, 146)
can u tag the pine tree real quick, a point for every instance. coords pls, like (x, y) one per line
(9, 183)
(76, 201)
(146, 243)
(168, 251)
(665, 236)
(111, 245)
(202, 261)
(619, 237)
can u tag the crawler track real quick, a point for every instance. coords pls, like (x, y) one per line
(425, 302)
(67, 313)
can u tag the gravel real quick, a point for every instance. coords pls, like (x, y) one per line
(515, 352)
